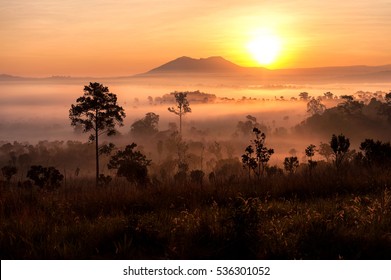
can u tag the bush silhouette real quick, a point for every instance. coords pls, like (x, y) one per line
(8, 171)
(45, 176)
(376, 153)
(131, 164)
(256, 158)
(197, 176)
(291, 164)
(340, 146)
(145, 127)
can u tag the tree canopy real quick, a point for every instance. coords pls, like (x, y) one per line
(181, 108)
(147, 126)
(131, 164)
(97, 111)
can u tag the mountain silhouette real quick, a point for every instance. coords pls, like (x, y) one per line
(218, 66)
(8, 77)
(214, 64)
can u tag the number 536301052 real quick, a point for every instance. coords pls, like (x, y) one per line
(241, 270)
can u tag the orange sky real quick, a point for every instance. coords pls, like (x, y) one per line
(124, 37)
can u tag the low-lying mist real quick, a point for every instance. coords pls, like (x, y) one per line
(35, 111)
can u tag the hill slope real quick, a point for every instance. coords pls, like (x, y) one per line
(219, 66)
(215, 64)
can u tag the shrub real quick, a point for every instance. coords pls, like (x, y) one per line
(45, 176)
(8, 171)
(291, 164)
(131, 164)
(197, 176)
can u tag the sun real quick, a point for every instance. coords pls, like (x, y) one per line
(265, 48)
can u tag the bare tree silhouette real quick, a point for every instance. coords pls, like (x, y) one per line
(181, 108)
(257, 158)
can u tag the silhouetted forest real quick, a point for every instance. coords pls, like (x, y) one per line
(262, 191)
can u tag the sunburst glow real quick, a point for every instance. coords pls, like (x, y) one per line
(265, 48)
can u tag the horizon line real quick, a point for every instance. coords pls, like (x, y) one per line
(67, 76)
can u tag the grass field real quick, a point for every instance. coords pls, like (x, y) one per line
(323, 216)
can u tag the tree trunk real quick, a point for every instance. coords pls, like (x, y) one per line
(180, 119)
(97, 157)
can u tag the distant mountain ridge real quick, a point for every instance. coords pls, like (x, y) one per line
(187, 66)
(9, 77)
(214, 64)
(218, 67)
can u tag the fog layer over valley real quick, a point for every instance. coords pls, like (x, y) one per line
(38, 110)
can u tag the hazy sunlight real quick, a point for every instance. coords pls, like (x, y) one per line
(265, 47)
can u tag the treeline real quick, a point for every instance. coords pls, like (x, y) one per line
(167, 157)
(47, 164)
(363, 117)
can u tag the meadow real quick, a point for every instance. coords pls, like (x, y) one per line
(324, 216)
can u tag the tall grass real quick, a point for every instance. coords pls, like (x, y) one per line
(322, 216)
